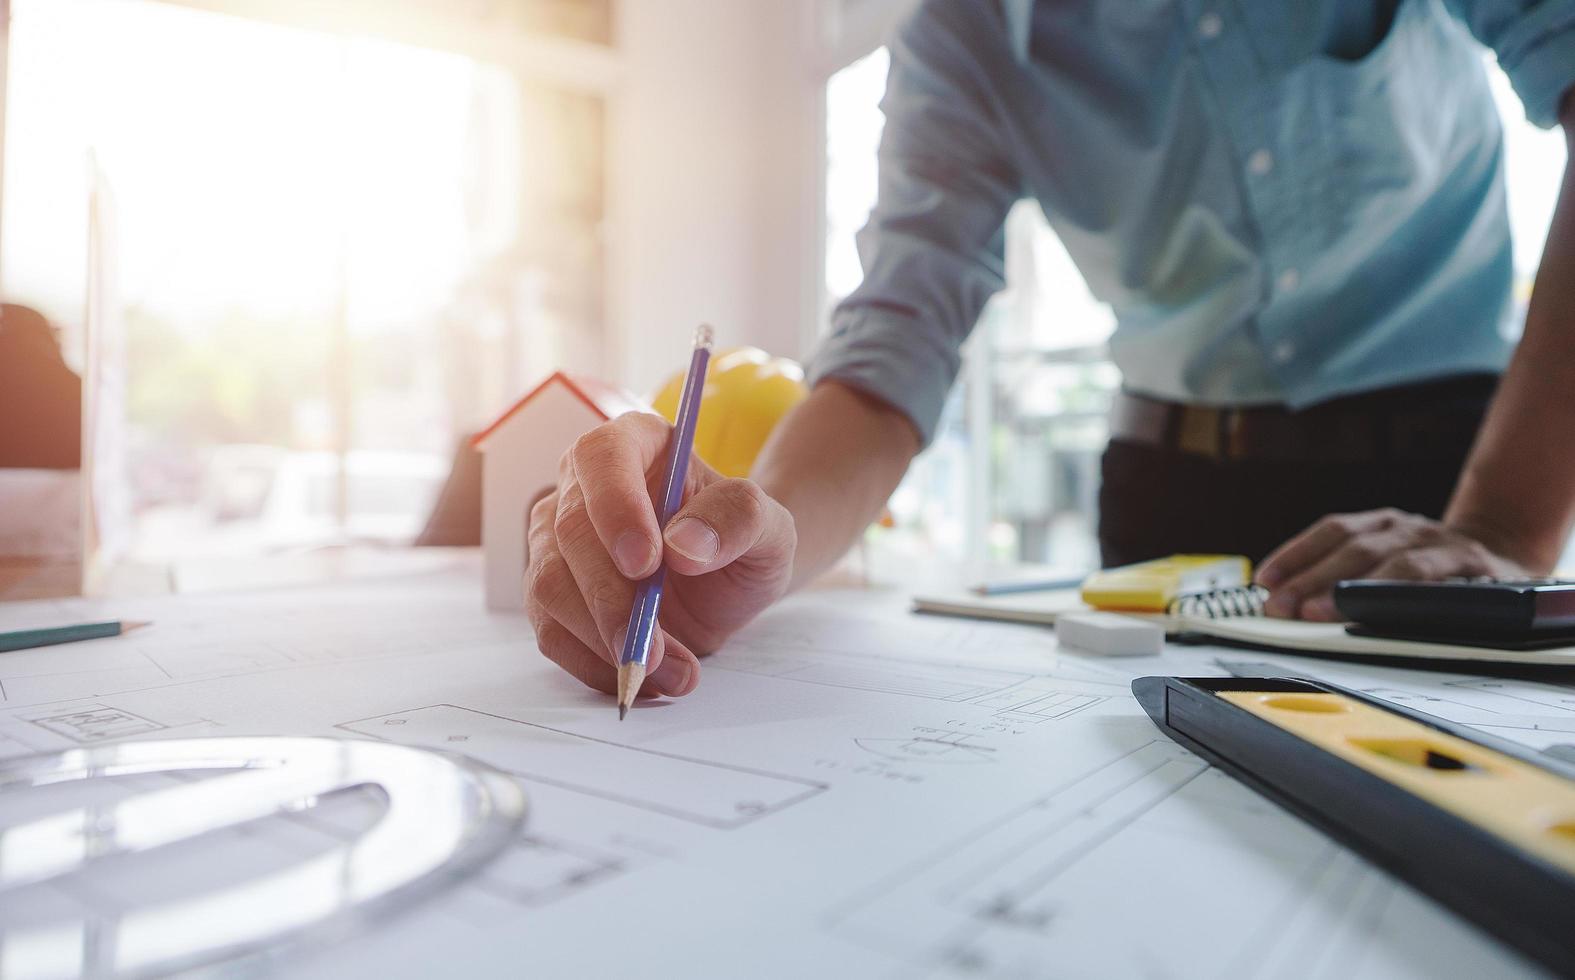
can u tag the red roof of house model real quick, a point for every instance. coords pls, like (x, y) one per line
(604, 399)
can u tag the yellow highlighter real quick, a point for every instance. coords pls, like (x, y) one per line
(1162, 584)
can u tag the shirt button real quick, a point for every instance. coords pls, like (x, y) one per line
(1260, 163)
(1289, 280)
(1284, 351)
(1209, 26)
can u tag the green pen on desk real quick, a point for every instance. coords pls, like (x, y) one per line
(27, 639)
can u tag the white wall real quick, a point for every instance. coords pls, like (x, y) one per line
(715, 168)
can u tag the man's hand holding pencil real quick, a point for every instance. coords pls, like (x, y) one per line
(728, 552)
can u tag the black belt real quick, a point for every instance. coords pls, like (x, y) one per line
(1430, 421)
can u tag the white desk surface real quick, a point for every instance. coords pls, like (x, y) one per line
(852, 791)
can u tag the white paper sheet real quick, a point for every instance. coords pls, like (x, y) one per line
(852, 790)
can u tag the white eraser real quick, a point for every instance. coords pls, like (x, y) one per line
(1109, 634)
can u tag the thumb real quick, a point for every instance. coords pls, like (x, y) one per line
(724, 522)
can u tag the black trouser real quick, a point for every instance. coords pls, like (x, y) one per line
(1156, 500)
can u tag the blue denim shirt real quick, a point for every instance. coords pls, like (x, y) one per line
(1284, 201)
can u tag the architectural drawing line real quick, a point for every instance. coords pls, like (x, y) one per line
(950, 749)
(532, 889)
(75, 673)
(205, 679)
(894, 881)
(1014, 696)
(664, 783)
(1349, 956)
(1047, 874)
(994, 898)
(149, 658)
(1564, 695)
(97, 722)
(862, 672)
(590, 738)
(1255, 948)
(1395, 694)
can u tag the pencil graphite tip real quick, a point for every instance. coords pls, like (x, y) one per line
(630, 677)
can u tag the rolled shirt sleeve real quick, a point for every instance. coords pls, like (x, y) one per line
(932, 250)
(1535, 44)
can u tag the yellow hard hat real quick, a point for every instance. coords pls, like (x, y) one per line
(747, 391)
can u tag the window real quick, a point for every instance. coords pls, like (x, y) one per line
(332, 256)
(1013, 473)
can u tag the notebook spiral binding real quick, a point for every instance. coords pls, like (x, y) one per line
(1246, 600)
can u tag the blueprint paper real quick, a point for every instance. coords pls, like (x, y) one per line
(852, 790)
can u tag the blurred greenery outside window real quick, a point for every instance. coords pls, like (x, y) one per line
(1013, 474)
(335, 256)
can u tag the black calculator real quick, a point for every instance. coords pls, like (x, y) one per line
(1506, 613)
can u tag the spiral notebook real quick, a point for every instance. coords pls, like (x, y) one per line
(1234, 616)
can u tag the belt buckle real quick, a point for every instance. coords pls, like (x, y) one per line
(1213, 433)
(1200, 430)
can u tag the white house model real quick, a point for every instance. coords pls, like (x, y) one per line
(520, 454)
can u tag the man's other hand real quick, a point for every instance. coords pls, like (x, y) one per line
(728, 551)
(1382, 544)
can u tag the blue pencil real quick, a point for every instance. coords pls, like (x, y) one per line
(1012, 586)
(636, 651)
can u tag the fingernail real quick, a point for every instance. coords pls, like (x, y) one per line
(672, 677)
(633, 554)
(694, 539)
(1269, 577)
(619, 638)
